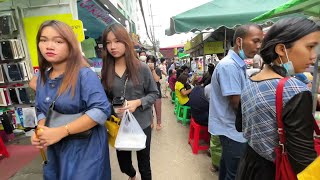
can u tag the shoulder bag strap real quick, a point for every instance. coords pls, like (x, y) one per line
(279, 95)
(125, 87)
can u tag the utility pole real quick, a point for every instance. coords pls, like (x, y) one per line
(145, 24)
(152, 32)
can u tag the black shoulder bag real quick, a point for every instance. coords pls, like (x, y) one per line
(57, 119)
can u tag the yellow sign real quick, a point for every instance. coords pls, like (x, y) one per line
(196, 40)
(213, 47)
(187, 46)
(32, 24)
(175, 51)
(77, 28)
(135, 37)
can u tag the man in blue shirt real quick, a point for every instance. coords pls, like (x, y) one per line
(227, 82)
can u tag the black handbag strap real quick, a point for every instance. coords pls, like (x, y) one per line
(54, 101)
(110, 93)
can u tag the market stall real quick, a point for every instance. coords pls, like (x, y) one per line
(214, 15)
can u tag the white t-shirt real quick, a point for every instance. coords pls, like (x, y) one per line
(207, 89)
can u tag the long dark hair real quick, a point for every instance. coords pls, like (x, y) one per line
(74, 62)
(108, 67)
(286, 31)
(183, 78)
(153, 59)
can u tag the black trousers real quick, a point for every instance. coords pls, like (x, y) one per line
(254, 167)
(143, 156)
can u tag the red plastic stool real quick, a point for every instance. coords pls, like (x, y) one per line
(3, 150)
(196, 133)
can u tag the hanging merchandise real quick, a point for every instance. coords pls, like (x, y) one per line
(16, 95)
(15, 73)
(11, 49)
(7, 122)
(29, 117)
(7, 24)
(88, 47)
(130, 136)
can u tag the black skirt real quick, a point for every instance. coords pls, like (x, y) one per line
(254, 167)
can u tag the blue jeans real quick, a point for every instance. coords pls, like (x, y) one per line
(232, 151)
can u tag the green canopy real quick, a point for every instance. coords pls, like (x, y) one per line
(182, 55)
(307, 7)
(216, 13)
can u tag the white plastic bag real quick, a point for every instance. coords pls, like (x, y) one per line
(130, 135)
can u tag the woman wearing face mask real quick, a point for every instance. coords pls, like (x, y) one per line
(288, 48)
(123, 72)
(143, 56)
(156, 73)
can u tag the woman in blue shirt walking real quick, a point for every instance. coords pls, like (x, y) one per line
(75, 88)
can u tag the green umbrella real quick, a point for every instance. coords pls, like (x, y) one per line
(307, 7)
(217, 13)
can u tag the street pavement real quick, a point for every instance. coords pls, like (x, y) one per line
(171, 155)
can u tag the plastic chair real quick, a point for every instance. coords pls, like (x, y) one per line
(176, 106)
(183, 114)
(3, 150)
(196, 133)
(173, 97)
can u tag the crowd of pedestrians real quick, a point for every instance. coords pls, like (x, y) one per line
(237, 108)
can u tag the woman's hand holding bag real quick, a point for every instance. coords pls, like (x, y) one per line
(130, 136)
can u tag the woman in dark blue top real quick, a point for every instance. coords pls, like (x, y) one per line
(77, 89)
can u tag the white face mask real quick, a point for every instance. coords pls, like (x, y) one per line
(288, 65)
(143, 58)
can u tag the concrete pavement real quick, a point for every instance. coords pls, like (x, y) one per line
(171, 155)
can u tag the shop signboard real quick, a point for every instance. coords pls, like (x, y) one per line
(32, 24)
(96, 11)
(196, 40)
(187, 46)
(213, 47)
(135, 37)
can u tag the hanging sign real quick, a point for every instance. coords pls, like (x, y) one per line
(213, 47)
(196, 40)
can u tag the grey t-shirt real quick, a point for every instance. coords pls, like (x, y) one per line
(146, 90)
